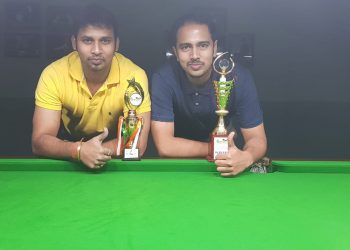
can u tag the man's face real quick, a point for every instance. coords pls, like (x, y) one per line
(96, 46)
(195, 50)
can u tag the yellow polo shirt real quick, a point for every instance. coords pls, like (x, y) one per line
(62, 86)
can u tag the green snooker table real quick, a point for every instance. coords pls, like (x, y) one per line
(173, 204)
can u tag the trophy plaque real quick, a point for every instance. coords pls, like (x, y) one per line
(223, 65)
(130, 127)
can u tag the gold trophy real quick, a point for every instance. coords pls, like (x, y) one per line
(130, 127)
(223, 65)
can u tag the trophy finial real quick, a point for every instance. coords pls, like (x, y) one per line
(134, 95)
(223, 65)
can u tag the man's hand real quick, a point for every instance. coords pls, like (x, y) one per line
(93, 154)
(235, 161)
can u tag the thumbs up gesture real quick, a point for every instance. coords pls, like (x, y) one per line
(235, 161)
(93, 154)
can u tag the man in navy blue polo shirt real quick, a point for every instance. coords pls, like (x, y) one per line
(184, 102)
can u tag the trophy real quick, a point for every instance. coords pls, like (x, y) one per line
(129, 128)
(223, 65)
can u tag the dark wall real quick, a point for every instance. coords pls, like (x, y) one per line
(301, 53)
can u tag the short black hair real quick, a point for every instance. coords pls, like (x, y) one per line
(198, 16)
(95, 15)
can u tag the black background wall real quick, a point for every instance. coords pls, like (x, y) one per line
(301, 68)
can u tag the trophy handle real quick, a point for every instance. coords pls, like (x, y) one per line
(133, 140)
(119, 136)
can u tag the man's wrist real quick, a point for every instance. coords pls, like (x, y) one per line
(112, 144)
(249, 158)
(76, 150)
(79, 149)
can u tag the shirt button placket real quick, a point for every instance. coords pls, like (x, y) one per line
(92, 104)
(196, 100)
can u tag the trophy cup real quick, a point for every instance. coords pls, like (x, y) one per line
(223, 65)
(129, 128)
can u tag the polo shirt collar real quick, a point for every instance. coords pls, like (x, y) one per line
(114, 73)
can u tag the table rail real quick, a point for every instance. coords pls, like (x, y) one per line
(168, 165)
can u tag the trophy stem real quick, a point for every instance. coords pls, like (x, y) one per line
(131, 121)
(220, 128)
(132, 113)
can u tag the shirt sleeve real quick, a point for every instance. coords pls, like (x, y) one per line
(47, 94)
(162, 98)
(248, 112)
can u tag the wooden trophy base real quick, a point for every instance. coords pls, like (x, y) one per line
(218, 145)
(130, 154)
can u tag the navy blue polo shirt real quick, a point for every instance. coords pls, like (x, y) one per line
(192, 108)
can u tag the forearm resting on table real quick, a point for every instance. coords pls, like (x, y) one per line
(180, 147)
(51, 146)
(256, 148)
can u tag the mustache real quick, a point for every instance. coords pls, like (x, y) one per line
(196, 61)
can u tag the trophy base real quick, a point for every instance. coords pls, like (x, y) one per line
(218, 145)
(130, 154)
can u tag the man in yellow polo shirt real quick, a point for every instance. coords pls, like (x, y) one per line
(85, 90)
